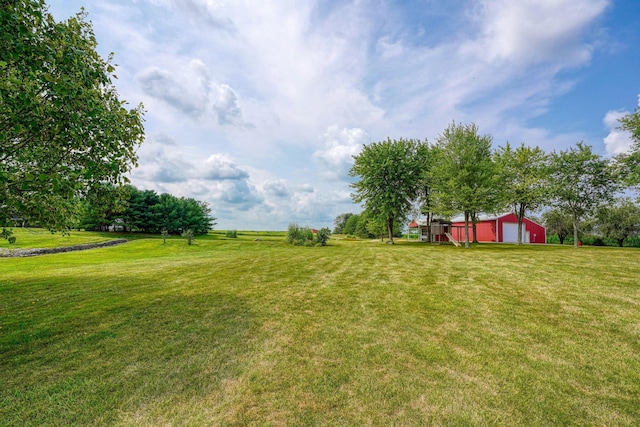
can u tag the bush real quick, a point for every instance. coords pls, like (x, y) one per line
(303, 236)
(7, 233)
(232, 234)
(323, 236)
(189, 236)
(299, 236)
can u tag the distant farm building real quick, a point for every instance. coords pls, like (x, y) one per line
(490, 228)
(439, 230)
(500, 228)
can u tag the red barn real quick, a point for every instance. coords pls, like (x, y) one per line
(500, 228)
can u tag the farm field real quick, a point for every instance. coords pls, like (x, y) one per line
(258, 332)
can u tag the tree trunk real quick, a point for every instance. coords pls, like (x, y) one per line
(520, 216)
(429, 219)
(620, 242)
(466, 229)
(575, 233)
(390, 229)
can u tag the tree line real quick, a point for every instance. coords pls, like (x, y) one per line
(461, 174)
(129, 209)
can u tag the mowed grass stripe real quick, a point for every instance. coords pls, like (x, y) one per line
(238, 332)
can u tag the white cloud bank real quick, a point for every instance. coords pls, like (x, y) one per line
(618, 141)
(259, 107)
(192, 91)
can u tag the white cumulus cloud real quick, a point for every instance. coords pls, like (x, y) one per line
(536, 31)
(617, 141)
(338, 148)
(194, 92)
(222, 167)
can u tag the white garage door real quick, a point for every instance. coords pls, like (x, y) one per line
(510, 233)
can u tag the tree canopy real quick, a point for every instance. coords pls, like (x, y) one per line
(464, 174)
(523, 176)
(580, 181)
(619, 220)
(558, 222)
(388, 173)
(146, 211)
(630, 162)
(63, 127)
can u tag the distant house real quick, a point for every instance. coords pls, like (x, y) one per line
(500, 228)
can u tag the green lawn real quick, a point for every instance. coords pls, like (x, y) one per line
(41, 238)
(245, 332)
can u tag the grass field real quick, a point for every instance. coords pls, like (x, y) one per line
(245, 332)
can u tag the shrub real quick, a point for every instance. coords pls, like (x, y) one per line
(189, 236)
(164, 233)
(323, 236)
(299, 236)
(232, 234)
(303, 236)
(7, 233)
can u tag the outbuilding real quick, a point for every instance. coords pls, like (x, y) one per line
(436, 231)
(500, 228)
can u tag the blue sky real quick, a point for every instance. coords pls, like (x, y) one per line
(258, 107)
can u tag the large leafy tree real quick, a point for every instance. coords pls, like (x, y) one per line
(63, 127)
(340, 222)
(464, 174)
(351, 224)
(389, 175)
(631, 161)
(581, 181)
(103, 207)
(558, 222)
(523, 175)
(619, 220)
(427, 201)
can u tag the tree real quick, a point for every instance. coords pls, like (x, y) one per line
(323, 236)
(340, 222)
(63, 128)
(141, 214)
(630, 162)
(351, 224)
(196, 216)
(464, 174)
(389, 173)
(150, 213)
(619, 220)
(365, 225)
(377, 226)
(103, 206)
(427, 196)
(523, 175)
(558, 222)
(580, 181)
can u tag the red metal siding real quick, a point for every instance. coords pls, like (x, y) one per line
(487, 230)
(537, 233)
